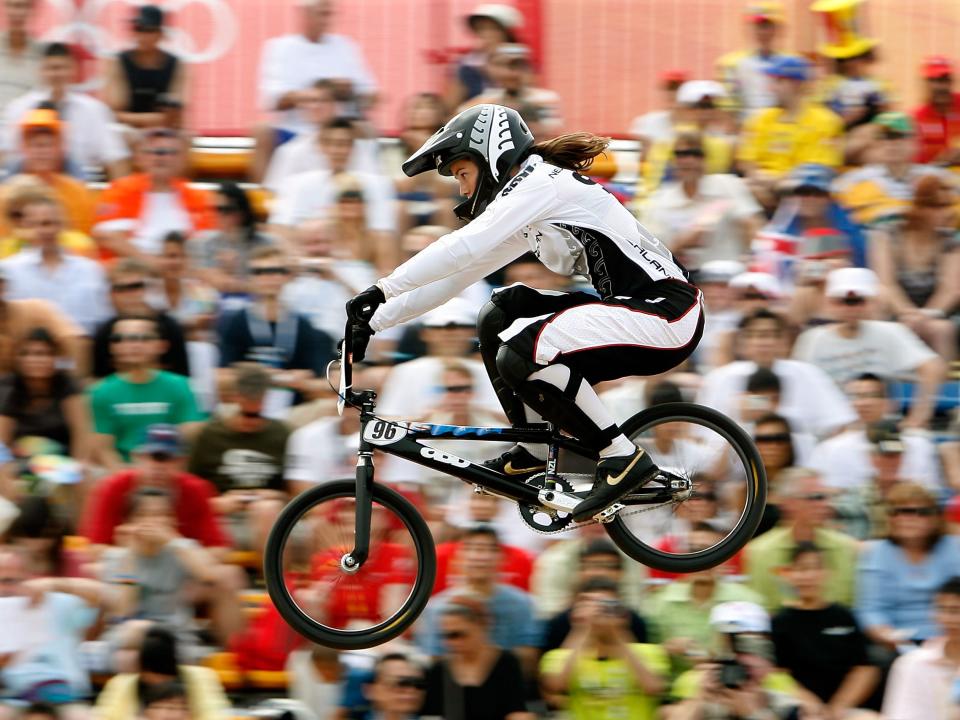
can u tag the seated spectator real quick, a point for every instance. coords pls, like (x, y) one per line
(919, 266)
(922, 683)
(397, 690)
(844, 460)
(602, 669)
(898, 576)
(722, 319)
(809, 399)
(779, 449)
(138, 395)
(158, 665)
(20, 52)
(129, 281)
(90, 139)
(290, 64)
(937, 124)
(22, 190)
(854, 344)
(161, 572)
(658, 126)
(744, 73)
(883, 189)
(600, 561)
(243, 454)
(158, 464)
(39, 531)
(189, 299)
(361, 239)
(474, 676)
(701, 217)
(819, 642)
(491, 25)
(145, 86)
(40, 400)
(278, 338)
(851, 92)
(136, 212)
(45, 270)
(316, 676)
(166, 701)
(223, 254)
(42, 149)
(806, 510)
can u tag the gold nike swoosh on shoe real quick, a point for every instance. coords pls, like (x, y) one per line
(615, 479)
(509, 469)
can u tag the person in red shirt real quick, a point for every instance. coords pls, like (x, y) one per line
(157, 463)
(938, 121)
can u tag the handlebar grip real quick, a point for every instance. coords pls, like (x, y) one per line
(346, 367)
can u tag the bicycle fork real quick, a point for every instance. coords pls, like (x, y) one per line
(354, 560)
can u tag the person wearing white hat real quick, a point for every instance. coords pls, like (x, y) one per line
(722, 314)
(749, 292)
(492, 24)
(855, 344)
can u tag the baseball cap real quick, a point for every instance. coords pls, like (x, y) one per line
(161, 438)
(41, 118)
(791, 68)
(507, 17)
(884, 436)
(719, 271)
(148, 18)
(693, 91)
(760, 282)
(739, 616)
(937, 66)
(765, 11)
(811, 175)
(674, 75)
(856, 282)
(453, 313)
(897, 122)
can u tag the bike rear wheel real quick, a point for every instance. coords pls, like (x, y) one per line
(707, 524)
(343, 608)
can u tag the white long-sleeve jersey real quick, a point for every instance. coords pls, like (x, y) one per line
(572, 224)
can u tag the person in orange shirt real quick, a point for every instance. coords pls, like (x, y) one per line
(136, 212)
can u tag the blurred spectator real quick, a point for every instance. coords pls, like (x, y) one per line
(884, 189)
(45, 621)
(922, 683)
(138, 395)
(919, 265)
(509, 68)
(161, 571)
(512, 624)
(492, 24)
(850, 91)
(128, 293)
(701, 217)
(91, 141)
(243, 454)
(680, 612)
(158, 464)
(146, 86)
(39, 532)
(40, 711)
(290, 64)
(898, 577)
(819, 642)
(806, 510)
(20, 52)
(844, 459)
(794, 131)
(352, 211)
(472, 678)
(165, 701)
(16, 193)
(657, 126)
(316, 678)
(854, 344)
(808, 399)
(745, 72)
(267, 332)
(938, 119)
(722, 319)
(779, 449)
(222, 255)
(397, 689)
(189, 299)
(42, 149)
(75, 284)
(136, 212)
(158, 664)
(40, 400)
(601, 670)
(600, 561)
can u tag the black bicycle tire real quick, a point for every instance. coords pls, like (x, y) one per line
(350, 639)
(756, 498)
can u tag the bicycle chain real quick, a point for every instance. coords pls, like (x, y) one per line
(574, 526)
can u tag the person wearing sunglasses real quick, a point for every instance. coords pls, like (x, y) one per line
(397, 690)
(898, 576)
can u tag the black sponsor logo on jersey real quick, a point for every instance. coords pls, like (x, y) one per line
(555, 172)
(516, 181)
(596, 262)
(645, 254)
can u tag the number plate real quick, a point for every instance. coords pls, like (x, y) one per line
(381, 432)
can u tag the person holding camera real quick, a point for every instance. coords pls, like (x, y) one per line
(600, 671)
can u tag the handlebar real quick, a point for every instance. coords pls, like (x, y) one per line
(346, 368)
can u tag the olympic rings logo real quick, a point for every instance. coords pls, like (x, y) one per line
(81, 26)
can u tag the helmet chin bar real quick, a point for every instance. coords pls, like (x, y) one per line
(485, 191)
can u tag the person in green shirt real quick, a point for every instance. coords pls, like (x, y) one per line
(597, 672)
(126, 403)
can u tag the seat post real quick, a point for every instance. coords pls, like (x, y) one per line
(553, 452)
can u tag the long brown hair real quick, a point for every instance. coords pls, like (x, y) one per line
(573, 151)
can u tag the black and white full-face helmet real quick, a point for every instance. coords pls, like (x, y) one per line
(493, 136)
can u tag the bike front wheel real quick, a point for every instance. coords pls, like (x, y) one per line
(333, 605)
(721, 496)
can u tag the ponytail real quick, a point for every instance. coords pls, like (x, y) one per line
(574, 151)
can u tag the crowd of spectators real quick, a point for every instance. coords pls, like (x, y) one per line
(164, 344)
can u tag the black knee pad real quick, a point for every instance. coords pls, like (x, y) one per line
(491, 321)
(513, 367)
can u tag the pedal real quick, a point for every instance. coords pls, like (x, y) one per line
(605, 516)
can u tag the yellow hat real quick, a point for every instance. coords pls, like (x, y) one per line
(841, 25)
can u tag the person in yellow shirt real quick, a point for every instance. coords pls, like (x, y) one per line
(796, 131)
(26, 190)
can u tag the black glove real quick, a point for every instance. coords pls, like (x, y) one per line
(361, 333)
(362, 307)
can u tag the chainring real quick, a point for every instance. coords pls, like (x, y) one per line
(541, 519)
